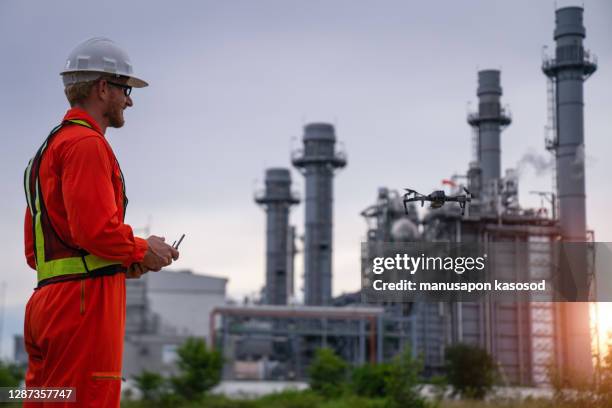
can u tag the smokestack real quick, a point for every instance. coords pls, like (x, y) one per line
(317, 162)
(276, 199)
(489, 121)
(569, 69)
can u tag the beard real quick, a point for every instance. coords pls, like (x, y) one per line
(115, 114)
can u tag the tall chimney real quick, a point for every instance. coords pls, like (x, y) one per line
(276, 199)
(317, 161)
(489, 121)
(568, 70)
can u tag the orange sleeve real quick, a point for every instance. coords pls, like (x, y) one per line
(29, 239)
(93, 217)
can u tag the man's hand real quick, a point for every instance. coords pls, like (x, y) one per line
(159, 254)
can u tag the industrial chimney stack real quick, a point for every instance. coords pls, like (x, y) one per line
(488, 122)
(317, 161)
(567, 71)
(276, 199)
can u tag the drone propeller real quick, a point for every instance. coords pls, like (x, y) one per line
(416, 197)
(465, 199)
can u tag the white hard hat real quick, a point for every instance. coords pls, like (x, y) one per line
(98, 56)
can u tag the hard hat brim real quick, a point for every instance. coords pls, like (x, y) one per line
(132, 80)
(137, 82)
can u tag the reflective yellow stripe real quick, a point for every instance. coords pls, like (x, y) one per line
(58, 267)
(63, 266)
(80, 122)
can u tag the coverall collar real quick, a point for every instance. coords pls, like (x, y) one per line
(81, 114)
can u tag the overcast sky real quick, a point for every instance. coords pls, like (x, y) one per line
(233, 83)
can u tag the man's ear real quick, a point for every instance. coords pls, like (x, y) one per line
(101, 90)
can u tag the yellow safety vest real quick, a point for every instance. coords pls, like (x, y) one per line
(83, 264)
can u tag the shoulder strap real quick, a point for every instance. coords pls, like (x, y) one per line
(33, 188)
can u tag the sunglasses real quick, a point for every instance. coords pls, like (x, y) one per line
(127, 90)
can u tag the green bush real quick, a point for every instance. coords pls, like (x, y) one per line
(604, 372)
(470, 370)
(10, 374)
(151, 385)
(402, 383)
(576, 390)
(327, 373)
(200, 369)
(369, 380)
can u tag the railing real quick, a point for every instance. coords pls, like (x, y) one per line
(338, 155)
(261, 195)
(587, 59)
(504, 113)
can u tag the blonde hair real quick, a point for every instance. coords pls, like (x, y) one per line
(78, 92)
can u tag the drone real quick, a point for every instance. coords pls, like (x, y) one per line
(437, 199)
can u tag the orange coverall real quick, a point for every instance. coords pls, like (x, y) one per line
(74, 329)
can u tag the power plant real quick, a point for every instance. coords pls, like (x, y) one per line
(277, 341)
(274, 338)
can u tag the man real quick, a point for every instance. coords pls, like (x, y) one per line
(76, 239)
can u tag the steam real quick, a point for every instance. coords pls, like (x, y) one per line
(539, 163)
(542, 164)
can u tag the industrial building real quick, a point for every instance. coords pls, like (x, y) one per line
(276, 341)
(163, 309)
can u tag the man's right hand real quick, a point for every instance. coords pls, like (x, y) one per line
(159, 254)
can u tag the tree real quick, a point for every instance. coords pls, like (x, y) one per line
(151, 385)
(470, 370)
(200, 369)
(605, 376)
(369, 380)
(402, 382)
(10, 374)
(327, 373)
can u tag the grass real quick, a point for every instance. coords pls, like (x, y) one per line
(308, 399)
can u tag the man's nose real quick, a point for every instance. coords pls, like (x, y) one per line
(129, 101)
